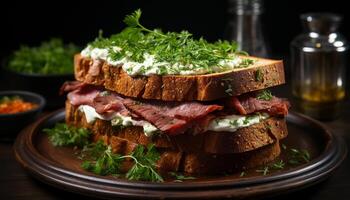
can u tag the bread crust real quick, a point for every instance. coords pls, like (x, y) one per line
(263, 74)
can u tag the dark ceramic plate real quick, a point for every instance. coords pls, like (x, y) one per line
(60, 168)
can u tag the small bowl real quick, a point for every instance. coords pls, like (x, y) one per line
(45, 85)
(11, 124)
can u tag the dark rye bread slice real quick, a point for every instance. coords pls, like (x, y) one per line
(199, 163)
(245, 139)
(263, 74)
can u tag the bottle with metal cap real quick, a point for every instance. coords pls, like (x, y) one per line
(318, 64)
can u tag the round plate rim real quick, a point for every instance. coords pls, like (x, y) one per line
(314, 172)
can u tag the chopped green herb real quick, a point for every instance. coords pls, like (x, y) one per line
(243, 173)
(65, 135)
(258, 75)
(180, 177)
(234, 122)
(264, 95)
(105, 93)
(246, 62)
(177, 51)
(278, 165)
(100, 160)
(229, 90)
(51, 57)
(298, 156)
(145, 163)
(284, 147)
(264, 171)
(247, 119)
(269, 127)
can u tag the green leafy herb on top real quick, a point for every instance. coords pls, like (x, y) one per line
(264, 95)
(179, 50)
(51, 57)
(64, 135)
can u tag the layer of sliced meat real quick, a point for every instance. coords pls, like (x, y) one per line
(171, 119)
(109, 103)
(249, 104)
(83, 96)
(69, 86)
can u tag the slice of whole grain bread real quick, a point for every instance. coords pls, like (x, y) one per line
(262, 74)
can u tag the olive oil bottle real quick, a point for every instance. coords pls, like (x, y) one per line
(318, 64)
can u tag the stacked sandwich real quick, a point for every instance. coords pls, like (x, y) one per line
(202, 105)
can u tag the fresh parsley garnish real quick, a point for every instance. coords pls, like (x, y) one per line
(51, 57)
(64, 135)
(258, 75)
(100, 160)
(180, 177)
(278, 165)
(173, 52)
(243, 173)
(297, 156)
(264, 171)
(284, 147)
(264, 95)
(234, 122)
(145, 163)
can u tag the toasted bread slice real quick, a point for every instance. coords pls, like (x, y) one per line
(262, 74)
(243, 140)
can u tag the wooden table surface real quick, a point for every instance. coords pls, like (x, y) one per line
(15, 183)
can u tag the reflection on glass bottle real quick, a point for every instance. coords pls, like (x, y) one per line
(318, 65)
(245, 28)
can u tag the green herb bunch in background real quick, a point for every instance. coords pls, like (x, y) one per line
(51, 57)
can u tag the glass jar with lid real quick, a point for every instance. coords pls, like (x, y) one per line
(318, 64)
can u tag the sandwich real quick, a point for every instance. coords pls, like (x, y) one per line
(203, 106)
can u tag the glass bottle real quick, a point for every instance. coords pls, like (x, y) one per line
(318, 63)
(245, 27)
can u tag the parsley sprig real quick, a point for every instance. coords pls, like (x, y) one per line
(180, 177)
(174, 52)
(264, 95)
(64, 135)
(100, 160)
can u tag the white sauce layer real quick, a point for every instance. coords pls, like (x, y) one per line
(151, 67)
(117, 120)
(229, 123)
(232, 123)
